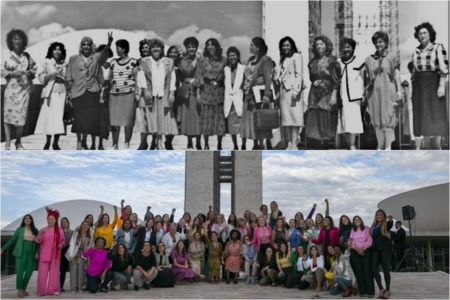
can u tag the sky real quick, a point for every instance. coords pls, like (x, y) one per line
(354, 182)
(171, 21)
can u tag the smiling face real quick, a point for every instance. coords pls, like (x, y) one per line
(261, 222)
(27, 220)
(120, 52)
(286, 47)
(321, 47)
(291, 224)
(105, 219)
(89, 219)
(358, 222)
(147, 248)
(100, 243)
(253, 49)
(300, 251)
(17, 43)
(283, 248)
(211, 48)
(191, 50)
(145, 50)
(345, 221)
(121, 250)
(56, 53)
(51, 221)
(161, 247)
(232, 58)
(86, 48)
(380, 217)
(347, 51)
(424, 36)
(156, 52)
(149, 224)
(173, 53)
(330, 250)
(380, 45)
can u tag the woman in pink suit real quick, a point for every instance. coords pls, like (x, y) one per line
(328, 236)
(262, 237)
(51, 240)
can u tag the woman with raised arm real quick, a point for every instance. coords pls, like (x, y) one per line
(24, 252)
(51, 75)
(104, 228)
(51, 240)
(82, 77)
(18, 69)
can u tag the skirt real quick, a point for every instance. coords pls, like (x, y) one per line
(349, 117)
(212, 119)
(86, 109)
(233, 264)
(122, 109)
(145, 122)
(247, 129)
(291, 111)
(321, 124)
(429, 112)
(189, 116)
(165, 118)
(50, 120)
(233, 122)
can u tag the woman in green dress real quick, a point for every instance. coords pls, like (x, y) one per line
(215, 260)
(24, 252)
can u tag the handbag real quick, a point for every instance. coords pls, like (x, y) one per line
(266, 118)
(68, 113)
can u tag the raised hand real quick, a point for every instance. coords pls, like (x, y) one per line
(110, 38)
(122, 202)
(115, 208)
(102, 208)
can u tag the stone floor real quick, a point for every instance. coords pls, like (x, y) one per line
(404, 286)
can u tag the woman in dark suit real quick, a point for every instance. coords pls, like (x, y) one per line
(145, 234)
(381, 250)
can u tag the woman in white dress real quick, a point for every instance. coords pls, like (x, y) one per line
(51, 75)
(290, 78)
(234, 94)
(351, 93)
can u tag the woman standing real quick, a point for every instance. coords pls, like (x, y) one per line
(210, 79)
(77, 262)
(104, 229)
(82, 77)
(127, 237)
(350, 93)
(383, 89)
(174, 54)
(122, 107)
(345, 228)
(187, 94)
(324, 73)
(262, 236)
(180, 267)
(381, 250)
(258, 71)
(430, 61)
(65, 226)
(18, 69)
(234, 95)
(197, 255)
(328, 236)
(233, 256)
(359, 244)
(279, 233)
(275, 213)
(290, 78)
(24, 253)
(98, 266)
(50, 120)
(215, 260)
(51, 240)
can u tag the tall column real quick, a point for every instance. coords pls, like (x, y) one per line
(202, 187)
(246, 187)
(429, 255)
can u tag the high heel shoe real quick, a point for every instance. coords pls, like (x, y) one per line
(19, 146)
(56, 147)
(84, 146)
(47, 146)
(198, 147)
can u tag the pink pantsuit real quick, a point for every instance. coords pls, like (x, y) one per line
(49, 261)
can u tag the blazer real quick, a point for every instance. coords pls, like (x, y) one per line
(74, 245)
(84, 76)
(17, 240)
(234, 94)
(263, 74)
(380, 242)
(343, 268)
(144, 79)
(308, 264)
(290, 74)
(120, 238)
(48, 66)
(334, 238)
(141, 239)
(295, 238)
(164, 261)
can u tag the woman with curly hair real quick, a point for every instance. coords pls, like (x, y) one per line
(430, 62)
(210, 79)
(18, 70)
(324, 72)
(51, 75)
(383, 89)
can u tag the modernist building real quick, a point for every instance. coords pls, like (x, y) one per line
(430, 227)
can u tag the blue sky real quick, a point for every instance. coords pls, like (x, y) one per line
(296, 180)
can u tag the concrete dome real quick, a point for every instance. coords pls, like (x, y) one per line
(431, 205)
(74, 210)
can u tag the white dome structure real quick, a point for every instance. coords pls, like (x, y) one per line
(432, 209)
(74, 210)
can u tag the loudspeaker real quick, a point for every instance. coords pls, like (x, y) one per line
(409, 212)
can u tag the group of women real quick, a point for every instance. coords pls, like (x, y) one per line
(268, 249)
(216, 94)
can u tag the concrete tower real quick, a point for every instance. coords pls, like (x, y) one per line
(207, 170)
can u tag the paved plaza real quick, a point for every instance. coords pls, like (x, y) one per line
(404, 286)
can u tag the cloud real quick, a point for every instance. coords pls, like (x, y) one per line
(36, 11)
(47, 31)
